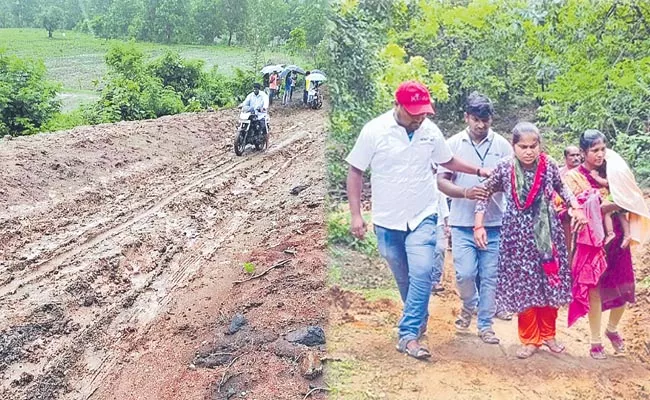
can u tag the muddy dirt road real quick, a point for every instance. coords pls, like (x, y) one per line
(463, 367)
(120, 249)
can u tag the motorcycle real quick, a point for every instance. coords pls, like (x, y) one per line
(253, 129)
(315, 99)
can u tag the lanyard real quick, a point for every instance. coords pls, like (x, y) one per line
(481, 157)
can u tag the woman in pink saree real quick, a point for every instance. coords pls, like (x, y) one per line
(603, 275)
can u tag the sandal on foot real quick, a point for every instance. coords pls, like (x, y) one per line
(418, 352)
(504, 315)
(617, 341)
(554, 346)
(463, 321)
(597, 352)
(526, 351)
(488, 336)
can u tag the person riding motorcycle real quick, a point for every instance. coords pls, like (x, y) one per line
(257, 102)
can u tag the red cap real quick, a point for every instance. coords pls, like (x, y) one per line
(414, 97)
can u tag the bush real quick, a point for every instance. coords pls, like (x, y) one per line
(27, 99)
(338, 234)
(64, 121)
(132, 93)
(217, 90)
(183, 76)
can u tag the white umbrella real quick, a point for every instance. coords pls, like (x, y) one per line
(316, 77)
(272, 68)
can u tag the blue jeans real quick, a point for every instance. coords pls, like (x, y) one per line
(441, 249)
(411, 257)
(470, 262)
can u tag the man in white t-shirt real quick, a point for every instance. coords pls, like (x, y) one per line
(477, 144)
(400, 148)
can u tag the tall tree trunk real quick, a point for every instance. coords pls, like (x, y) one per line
(49, 33)
(229, 37)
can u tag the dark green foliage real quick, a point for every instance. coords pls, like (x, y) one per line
(27, 99)
(183, 76)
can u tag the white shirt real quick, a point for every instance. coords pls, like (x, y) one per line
(404, 192)
(254, 102)
(492, 149)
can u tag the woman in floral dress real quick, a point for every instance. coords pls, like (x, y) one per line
(534, 276)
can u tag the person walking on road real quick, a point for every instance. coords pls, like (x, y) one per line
(400, 147)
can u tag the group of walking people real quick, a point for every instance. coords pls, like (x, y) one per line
(527, 237)
(288, 84)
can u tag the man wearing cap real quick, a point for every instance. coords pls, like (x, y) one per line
(400, 147)
(476, 269)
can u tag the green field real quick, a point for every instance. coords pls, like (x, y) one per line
(76, 60)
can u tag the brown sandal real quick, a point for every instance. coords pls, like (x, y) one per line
(418, 352)
(554, 346)
(526, 351)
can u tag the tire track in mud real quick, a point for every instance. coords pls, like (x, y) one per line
(46, 267)
(131, 311)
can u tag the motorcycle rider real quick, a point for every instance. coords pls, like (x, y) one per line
(258, 102)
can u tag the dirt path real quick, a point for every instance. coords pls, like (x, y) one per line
(120, 247)
(362, 339)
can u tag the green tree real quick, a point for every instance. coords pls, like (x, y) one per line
(123, 19)
(208, 20)
(51, 18)
(297, 40)
(314, 16)
(183, 76)
(24, 13)
(234, 13)
(166, 21)
(27, 99)
(131, 93)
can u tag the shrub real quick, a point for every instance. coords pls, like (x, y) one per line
(27, 99)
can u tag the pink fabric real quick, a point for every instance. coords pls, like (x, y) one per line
(589, 259)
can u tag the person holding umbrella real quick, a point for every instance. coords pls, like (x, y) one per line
(288, 85)
(305, 93)
(273, 86)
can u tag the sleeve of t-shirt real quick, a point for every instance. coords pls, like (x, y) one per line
(450, 142)
(363, 150)
(508, 150)
(443, 207)
(441, 151)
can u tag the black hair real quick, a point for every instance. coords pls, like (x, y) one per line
(566, 150)
(522, 128)
(591, 137)
(257, 86)
(479, 105)
(307, 73)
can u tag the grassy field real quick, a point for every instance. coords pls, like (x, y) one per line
(77, 60)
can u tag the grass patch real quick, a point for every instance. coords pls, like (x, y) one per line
(334, 273)
(376, 294)
(338, 232)
(77, 59)
(339, 376)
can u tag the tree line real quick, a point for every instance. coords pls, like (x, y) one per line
(242, 22)
(577, 63)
